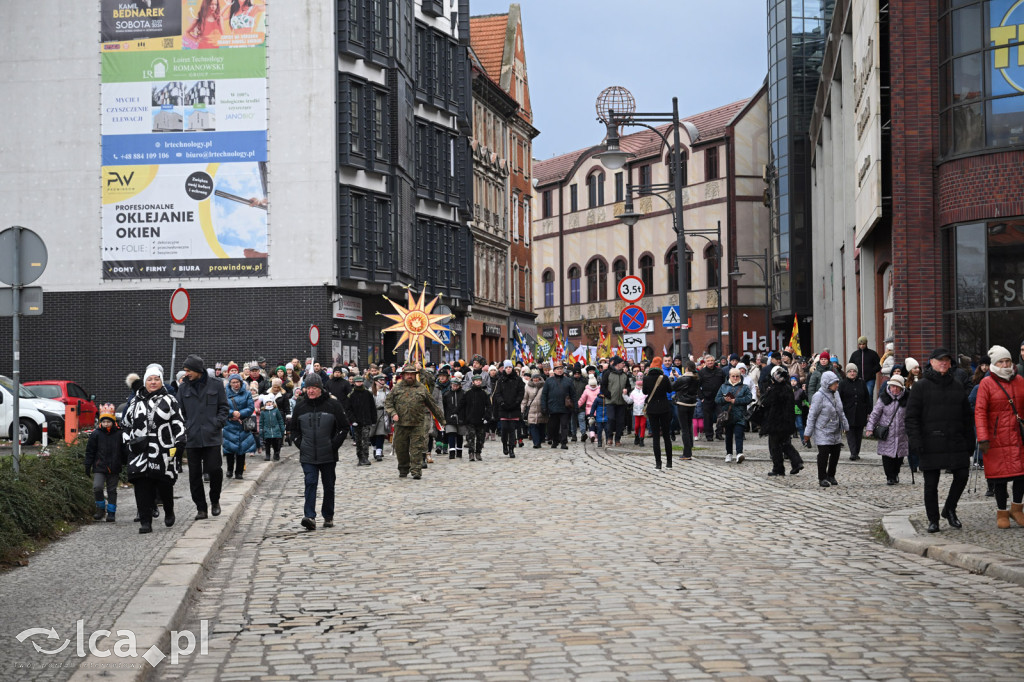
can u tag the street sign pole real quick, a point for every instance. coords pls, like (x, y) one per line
(16, 368)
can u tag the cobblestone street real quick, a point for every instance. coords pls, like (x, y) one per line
(568, 565)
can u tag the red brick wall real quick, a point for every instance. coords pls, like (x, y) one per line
(917, 276)
(981, 188)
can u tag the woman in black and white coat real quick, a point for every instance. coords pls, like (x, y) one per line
(155, 432)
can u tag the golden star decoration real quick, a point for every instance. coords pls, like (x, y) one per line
(416, 323)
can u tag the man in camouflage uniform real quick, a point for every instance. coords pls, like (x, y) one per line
(409, 405)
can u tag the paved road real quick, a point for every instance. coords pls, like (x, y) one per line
(568, 565)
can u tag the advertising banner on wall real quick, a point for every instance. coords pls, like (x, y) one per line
(184, 139)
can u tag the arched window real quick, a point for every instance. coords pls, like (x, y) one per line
(597, 280)
(595, 189)
(647, 273)
(549, 288)
(574, 284)
(713, 265)
(672, 261)
(684, 158)
(619, 268)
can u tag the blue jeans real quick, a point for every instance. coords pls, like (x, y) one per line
(733, 431)
(800, 425)
(537, 434)
(581, 419)
(313, 473)
(871, 388)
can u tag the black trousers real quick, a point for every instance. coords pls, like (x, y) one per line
(661, 425)
(234, 463)
(999, 486)
(146, 492)
(508, 433)
(617, 419)
(204, 461)
(828, 460)
(892, 466)
(709, 410)
(854, 438)
(558, 427)
(780, 446)
(931, 490)
(273, 447)
(686, 428)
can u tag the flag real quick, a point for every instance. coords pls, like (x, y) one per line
(543, 349)
(664, 351)
(622, 348)
(559, 354)
(604, 346)
(794, 341)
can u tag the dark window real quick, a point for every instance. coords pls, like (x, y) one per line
(382, 232)
(647, 273)
(574, 284)
(382, 25)
(713, 265)
(549, 288)
(619, 269)
(358, 230)
(683, 159)
(545, 209)
(620, 191)
(597, 280)
(380, 125)
(711, 163)
(355, 15)
(574, 200)
(672, 261)
(645, 179)
(711, 321)
(595, 190)
(355, 136)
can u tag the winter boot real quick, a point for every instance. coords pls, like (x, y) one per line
(378, 454)
(364, 461)
(266, 458)
(111, 510)
(458, 453)
(1002, 519)
(451, 453)
(101, 506)
(511, 452)
(1017, 513)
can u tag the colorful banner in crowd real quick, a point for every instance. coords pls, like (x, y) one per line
(184, 138)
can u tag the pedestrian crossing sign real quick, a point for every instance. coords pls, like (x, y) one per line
(670, 316)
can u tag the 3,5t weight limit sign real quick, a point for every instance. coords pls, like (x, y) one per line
(631, 289)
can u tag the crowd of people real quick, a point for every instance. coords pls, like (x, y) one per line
(938, 417)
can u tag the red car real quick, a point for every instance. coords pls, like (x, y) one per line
(69, 393)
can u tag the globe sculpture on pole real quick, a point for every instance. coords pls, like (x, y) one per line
(617, 99)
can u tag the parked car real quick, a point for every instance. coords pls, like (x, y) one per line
(50, 412)
(69, 393)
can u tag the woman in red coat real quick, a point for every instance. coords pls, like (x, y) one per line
(999, 433)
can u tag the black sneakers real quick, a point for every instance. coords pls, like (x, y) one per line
(308, 523)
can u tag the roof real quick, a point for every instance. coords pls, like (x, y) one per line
(710, 125)
(487, 36)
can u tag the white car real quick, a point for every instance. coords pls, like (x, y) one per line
(31, 420)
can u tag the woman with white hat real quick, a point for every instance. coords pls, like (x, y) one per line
(997, 420)
(155, 433)
(887, 423)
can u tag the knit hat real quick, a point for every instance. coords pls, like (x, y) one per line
(253, 386)
(997, 353)
(507, 363)
(734, 356)
(193, 363)
(288, 367)
(834, 358)
(154, 370)
(233, 376)
(313, 380)
(276, 381)
(592, 382)
(911, 364)
(850, 367)
(179, 375)
(535, 374)
(897, 381)
(269, 401)
(862, 339)
(741, 366)
(616, 361)
(656, 362)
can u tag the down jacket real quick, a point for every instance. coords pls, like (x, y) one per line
(552, 397)
(996, 423)
(588, 397)
(531, 404)
(778, 403)
(742, 398)
(507, 396)
(940, 423)
(238, 441)
(892, 412)
(826, 421)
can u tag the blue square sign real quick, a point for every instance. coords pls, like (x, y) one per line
(670, 316)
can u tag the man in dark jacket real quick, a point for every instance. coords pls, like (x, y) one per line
(778, 422)
(940, 426)
(711, 380)
(339, 386)
(557, 391)
(362, 410)
(507, 397)
(478, 409)
(615, 386)
(868, 364)
(262, 383)
(857, 406)
(318, 427)
(204, 404)
(578, 421)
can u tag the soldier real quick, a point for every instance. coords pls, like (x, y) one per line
(408, 405)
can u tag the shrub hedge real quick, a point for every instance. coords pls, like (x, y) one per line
(50, 493)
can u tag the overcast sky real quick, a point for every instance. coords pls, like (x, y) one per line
(706, 53)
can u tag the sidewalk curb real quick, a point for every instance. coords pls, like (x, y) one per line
(160, 604)
(900, 533)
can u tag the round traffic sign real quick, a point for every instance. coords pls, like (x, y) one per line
(180, 304)
(314, 335)
(633, 319)
(31, 259)
(631, 289)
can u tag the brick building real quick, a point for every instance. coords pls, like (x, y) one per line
(938, 258)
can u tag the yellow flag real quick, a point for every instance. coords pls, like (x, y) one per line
(794, 340)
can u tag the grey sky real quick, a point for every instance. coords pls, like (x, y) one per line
(706, 52)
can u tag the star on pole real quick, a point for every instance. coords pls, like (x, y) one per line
(416, 322)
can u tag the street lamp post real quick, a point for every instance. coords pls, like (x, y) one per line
(614, 158)
(761, 261)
